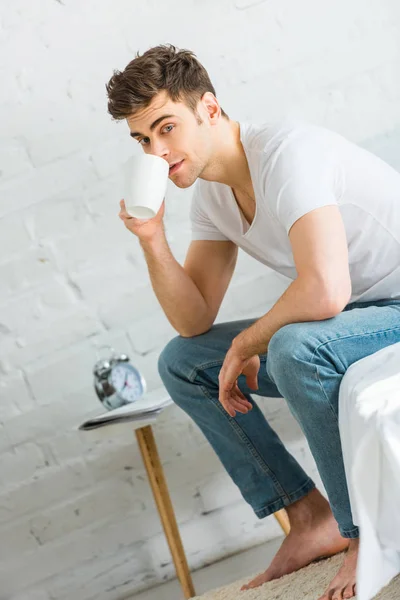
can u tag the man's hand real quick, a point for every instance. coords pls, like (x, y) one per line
(230, 396)
(144, 229)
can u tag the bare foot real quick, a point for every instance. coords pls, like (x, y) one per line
(314, 534)
(343, 585)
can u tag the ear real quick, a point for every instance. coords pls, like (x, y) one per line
(211, 106)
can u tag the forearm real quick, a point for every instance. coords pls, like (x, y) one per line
(304, 300)
(178, 295)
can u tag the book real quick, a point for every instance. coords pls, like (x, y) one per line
(146, 408)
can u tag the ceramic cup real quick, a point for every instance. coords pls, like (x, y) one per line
(146, 180)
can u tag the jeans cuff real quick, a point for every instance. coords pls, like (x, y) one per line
(350, 533)
(273, 507)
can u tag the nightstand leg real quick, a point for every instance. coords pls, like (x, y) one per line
(283, 520)
(148, 448)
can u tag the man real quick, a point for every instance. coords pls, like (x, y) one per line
(310, 205)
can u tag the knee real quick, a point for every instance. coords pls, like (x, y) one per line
(171, 357)
(174, 358)
(290, 348)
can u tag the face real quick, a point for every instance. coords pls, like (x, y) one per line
(172, 131)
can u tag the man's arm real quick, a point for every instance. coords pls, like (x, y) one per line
(322, 288)
(191, 295)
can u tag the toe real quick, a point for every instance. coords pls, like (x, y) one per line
(348, 592)
(259, 580)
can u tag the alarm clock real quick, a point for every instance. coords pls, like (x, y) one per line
(117, 382)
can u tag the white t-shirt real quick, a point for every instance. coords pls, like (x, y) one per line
(296, 168)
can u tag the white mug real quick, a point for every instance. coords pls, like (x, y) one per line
(146, 180)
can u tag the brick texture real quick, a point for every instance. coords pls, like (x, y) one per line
(77, 519)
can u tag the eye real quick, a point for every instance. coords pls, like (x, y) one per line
(143, 141)
(169, 128)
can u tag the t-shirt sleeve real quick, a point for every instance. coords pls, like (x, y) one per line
(301, 178)
(202, 226)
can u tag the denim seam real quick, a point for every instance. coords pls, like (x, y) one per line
(350, 533)
(345, 337)
(203, 367)
(339, 339)
(208, 365)
(318, 378)
(273, 507)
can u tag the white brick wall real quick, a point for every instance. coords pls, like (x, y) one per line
(77, 517)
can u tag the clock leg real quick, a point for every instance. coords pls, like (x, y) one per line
(151, 459)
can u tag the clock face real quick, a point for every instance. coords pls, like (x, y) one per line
(127, 382)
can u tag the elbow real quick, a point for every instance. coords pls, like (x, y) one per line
(330, 308)
(193, 332)
(197, 327)
(334, 300)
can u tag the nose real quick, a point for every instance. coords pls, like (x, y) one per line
(159, 149)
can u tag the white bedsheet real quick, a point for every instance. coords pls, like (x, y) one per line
(369, 421)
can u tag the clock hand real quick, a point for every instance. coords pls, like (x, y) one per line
(125, 382)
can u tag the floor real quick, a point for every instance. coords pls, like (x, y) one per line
(221, 573)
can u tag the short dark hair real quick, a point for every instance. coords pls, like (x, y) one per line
(163, 67)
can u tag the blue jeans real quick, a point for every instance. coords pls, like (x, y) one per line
(305, 364)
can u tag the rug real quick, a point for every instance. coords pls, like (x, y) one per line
(307, 584)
